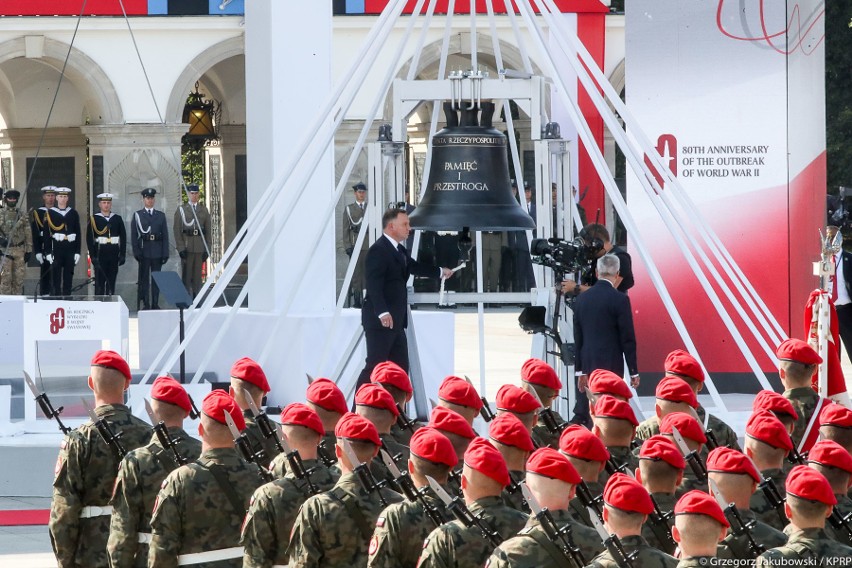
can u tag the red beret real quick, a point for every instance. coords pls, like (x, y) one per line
(112, 360)
(726, 460)
(764, 426)
(451, 421)
(487, 460)
(661, 448)
(537, 372)
(577, 442)
(835, 415)
(458, 391)
(166, 389)
(429, 444)
(508, 429)
(679, 362)
(685, 424)
(610, 407)
(355, 427)
(516, 399)
(389, 373)
(676, 389)
(625, 493)
(832, 454)
(606, 382)
(798, 351)
(550, 463)
(299, 414)
(327, 395)
(248, 370)
(697, 502)
(217, 403)
(807, 483)
(774, 402)
(376, 396)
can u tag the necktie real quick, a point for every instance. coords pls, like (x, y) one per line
(151, 212)
(834, 281)
(401, 250)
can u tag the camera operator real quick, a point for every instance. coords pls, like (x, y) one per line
(597, 237)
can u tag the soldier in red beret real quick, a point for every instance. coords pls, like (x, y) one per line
(588, 455)
(797, 364)
(460, 433)
(86, 468)
(834, 462)
(513, 440)
(200, 507)
(326, 399)
(402, 527)
(672, 394)
(767, 444)
(395, 380)
(248, 381)
(519, 402)
(484, 476)
(377, 405)
(615, 424)
(333, 529)
(460, 396)
(737, 477)
(699, 525)
(835, 423)
(810, 501)
(141, 473)
(695, 439)
(660, 472)
(540, 379)
(777, 405)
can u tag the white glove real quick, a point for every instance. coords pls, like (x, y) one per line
(49, 258)
(39, 257)
(76, 258)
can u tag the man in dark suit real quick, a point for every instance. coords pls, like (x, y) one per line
(384, 315)
(842, 293)
(149, 233)
(603, 333)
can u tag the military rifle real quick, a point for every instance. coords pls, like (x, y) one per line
(738, 525)
(162, 432)
(404, 421)
(612, 469)
(269, 431)
(325, 455)
(839, 522)
(310, 378)
(406, 484)
(771, 493)
(297, 466)
(796, 457)
(193, 412)
(244, 447)
(588, 500)
(561, 537)
(612, 543)
(660, 524)
(105, 430)
(362, 471)
(485, 412)
(691, 457)
(548, 419)
(457, 507)
(712, 442)
(45, 405)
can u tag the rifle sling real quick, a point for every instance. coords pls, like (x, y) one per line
(354, 512)
(222, 479)
(556, 553)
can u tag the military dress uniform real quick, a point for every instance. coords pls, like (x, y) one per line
(149, 236)
(85, 475)
(191, 228)
(139, 479)
(400, 531)
(62, 237)
(106, 239)
(41, 247)
(15, 247)
(353, 218)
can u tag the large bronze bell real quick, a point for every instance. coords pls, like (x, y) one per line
(469, 179)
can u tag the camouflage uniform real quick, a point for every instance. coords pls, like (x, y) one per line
(843, 508)
(530, 548)
(578, 511)
(142, 472)
(258, 441)
(804, 400)
(725, 435)
(690, 482)
(544, 438)
(399, 533)
(763, 510)
(326, 446)
(333, 529)
(16, 241)
(512, 495)
(194, 512)
(620, 455)
(455, 546)
(647, 428)
(85, 474)
(280, 467)
(814, 545)
(666, 503)
(737, 546)
(402, 436)
(272, 512)
(646, 556)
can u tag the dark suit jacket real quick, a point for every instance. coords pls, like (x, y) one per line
(846, 263)
(603, 330)
(387, 272)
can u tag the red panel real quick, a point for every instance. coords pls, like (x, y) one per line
(463, 6)
(71, 7)
(591, 31)
(24, 517)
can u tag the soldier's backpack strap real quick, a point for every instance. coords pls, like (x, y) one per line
(222, 479)
(547, 545)
(354, 512)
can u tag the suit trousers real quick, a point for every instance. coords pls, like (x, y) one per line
(45, 279)
(106, 270)
(146, 284)
(63, 268)
(844, 319)
(192, 272)
(384, 344)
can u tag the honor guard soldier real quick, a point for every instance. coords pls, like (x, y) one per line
(201, 505)
(539, 378)
(150, 239)
(513, 441)
(279, 466)
(395, 380)
(107, 243)
(777, 405)
(248, 382)
(141, 473)
(376, 405)
(41, 246)
(603, 382)
(694, 438)
(62, 236)
(835, 423)
(353, 218)
(615, 425)
(192, 235)
(660, 472)
(834, 462)
(797, 364)
(333, 529)
(552, 480)
(274, 506)
(401, 527)
(737, 478)
(810, 501)
(767, 443)
(86, 469)
(699, 525)
(15, 245)
(459, 433)
(460, 396)
(626, 508)
(326, 399)
(484, 476)
(588, 455)
(672, 394)
(520, 403)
